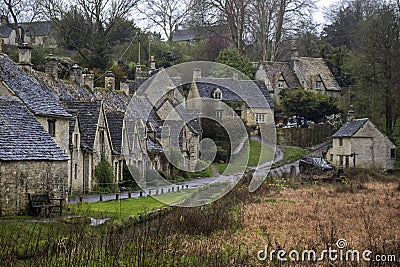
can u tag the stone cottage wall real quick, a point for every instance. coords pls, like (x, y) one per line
(62, 130)
(18, 178)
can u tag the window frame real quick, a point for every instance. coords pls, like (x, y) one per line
(219, 114)
(260, 118)
(393, 152)
(51, 127)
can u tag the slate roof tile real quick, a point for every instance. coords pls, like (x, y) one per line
(206, 87)
(350, 128)
(32, 93)
(22, 137)
(115, 122)
(88, 113)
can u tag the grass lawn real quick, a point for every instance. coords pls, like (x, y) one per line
(131, 207)
(254, 156)
(291, 154)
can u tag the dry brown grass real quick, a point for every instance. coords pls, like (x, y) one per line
(366, 215)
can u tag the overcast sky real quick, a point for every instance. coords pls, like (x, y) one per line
(321, 5)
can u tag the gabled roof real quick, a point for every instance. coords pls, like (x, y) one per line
(115, 122)
(198, 33)
(22, 137)
(283, 68)
(312, 67)
(350, 128)
(88, 114)
(36, 28)
(33, 94)
(206, 87)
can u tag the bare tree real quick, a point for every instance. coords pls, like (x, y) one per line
(167, 14)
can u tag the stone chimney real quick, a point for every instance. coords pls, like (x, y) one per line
(88, 79)
(109, 81)
(124, 85)
(51, 66)
(294, 56)
(350, 114)
(76, 74)
(196, 74)
(152, 63)
(25, 57)
(235, 76)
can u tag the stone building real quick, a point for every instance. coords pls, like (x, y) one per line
(360, 144)
(30, 160)
(38, 33)
(222, 89)
(91, 142)
(299, 73)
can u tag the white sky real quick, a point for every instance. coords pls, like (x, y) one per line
(321, 5)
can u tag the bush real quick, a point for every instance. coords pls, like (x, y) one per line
(104, 173)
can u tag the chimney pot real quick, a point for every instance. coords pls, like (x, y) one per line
(235, 76)
(294, 53)
(350, 114)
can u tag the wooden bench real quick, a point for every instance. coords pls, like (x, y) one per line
(43, 205)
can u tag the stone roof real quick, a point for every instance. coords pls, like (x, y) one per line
(310, 68)
(35, 95)
(115, 122)
(273, 71)
(88, 113)
(198, 33)
(350, 128)
(207, 86)
(36, 28)
(22, 137)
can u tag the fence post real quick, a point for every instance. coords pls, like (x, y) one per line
(80, 199)
(101, 197)
(116, 196)
(129, 194)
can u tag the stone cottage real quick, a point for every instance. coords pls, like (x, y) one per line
(30, 160)
(222, 89)
(299, 73)
(360, 144)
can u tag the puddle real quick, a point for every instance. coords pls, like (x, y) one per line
(97, 222)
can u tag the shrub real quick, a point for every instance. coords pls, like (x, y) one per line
(104, 173)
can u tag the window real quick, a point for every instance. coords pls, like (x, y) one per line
(219, 114)
(52, 127)
(331, 158)
(76, 140)
(340, 141)
(318, 85)
(260, 118)
(393, 153)
(217, 94)
(280, 84)
(347, 161)
(102, 147)
(238, 112)
(340, 161)
(76, 171)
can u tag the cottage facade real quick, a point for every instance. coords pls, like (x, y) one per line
(30, 160)
(299, 73)
(360, 144)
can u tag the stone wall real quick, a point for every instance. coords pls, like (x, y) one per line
(62, 130)
(18, 178)
(303, 137)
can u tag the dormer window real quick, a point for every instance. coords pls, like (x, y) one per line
(217, 94)
(280, 83)
(318, 85)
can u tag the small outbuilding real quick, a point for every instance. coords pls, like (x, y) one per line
(360, 144)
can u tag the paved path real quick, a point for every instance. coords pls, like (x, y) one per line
(287, 168)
